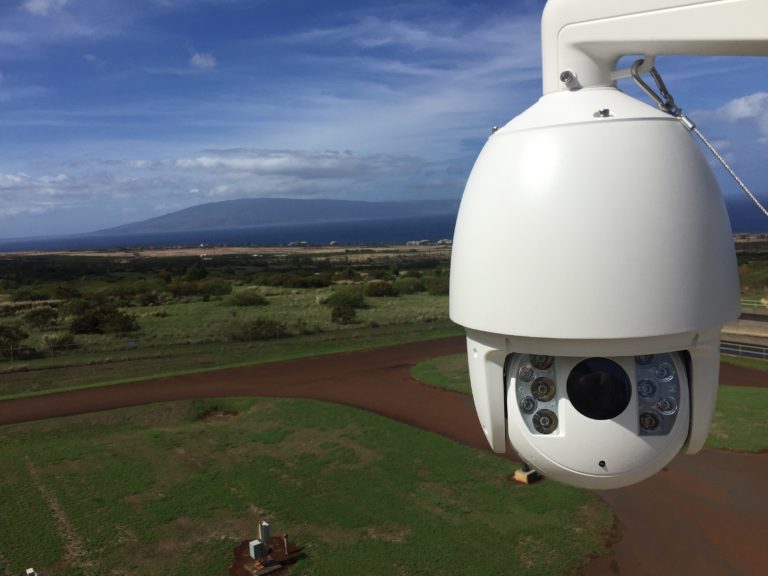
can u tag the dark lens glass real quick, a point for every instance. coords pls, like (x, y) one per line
(599, 388)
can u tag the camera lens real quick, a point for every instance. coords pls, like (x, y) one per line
(599, 388)
(543, 389)
(545, 421)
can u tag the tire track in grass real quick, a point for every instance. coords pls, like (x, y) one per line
(74, 551)
(5, 566)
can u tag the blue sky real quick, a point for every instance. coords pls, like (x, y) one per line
(114, 110)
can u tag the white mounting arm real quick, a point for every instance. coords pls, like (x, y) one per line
(587, 37)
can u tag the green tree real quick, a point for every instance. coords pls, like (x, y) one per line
(11, 337)
(352, 296)
(40, 317)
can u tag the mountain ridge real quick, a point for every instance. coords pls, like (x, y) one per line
(247, 212)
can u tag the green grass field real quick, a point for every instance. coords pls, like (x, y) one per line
(155, 490)
(739, 422)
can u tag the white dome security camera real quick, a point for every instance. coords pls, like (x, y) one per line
(593, 263)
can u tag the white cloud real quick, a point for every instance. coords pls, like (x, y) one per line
(203, 60)
(43, 7)
(93, 59)
(298, 164)
(753, 107)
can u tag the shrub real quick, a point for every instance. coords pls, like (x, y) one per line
(78, 306)
(346, 296)
(259, 329)
(247, 298)
(104, 318)
(303, 327)
(380, 288)
(214, 287)
(381, 274)
(148, 298)
(59, 340)
(296, 280)
(195, 272)
(348, 274)
(343, 314)
(65, 292)
(40, 317)
(178, 288)
(437, 285)
(409, 285)
(28, 294)
(206, 288)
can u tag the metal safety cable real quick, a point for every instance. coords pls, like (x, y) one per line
(666, 102)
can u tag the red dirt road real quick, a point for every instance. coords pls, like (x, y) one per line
(704, 515)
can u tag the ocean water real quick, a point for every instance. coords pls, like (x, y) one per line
(383, 231)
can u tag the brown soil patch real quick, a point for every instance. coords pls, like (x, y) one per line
(733, 375)
(353, 253)
(704, 515)
(217, 415)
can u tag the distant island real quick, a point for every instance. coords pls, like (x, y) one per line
(281, 211)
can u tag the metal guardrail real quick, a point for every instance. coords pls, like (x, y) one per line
(745, 350)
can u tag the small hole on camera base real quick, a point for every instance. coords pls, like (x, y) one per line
(601, 463)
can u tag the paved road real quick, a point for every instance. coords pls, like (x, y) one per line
(703, 515)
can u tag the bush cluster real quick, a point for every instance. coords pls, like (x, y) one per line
(298, 280)
(352, 296)
(343, 314)
(246, 298)
(206, 288)
(40, 317)
(380, 288)
(104, 318)
(58, 341)
(409, 285)
(437, 285)
(258, 329)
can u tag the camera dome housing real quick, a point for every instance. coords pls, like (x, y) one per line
(593, 263)
(591, 226)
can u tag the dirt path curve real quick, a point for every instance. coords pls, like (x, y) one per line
(704, 515)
